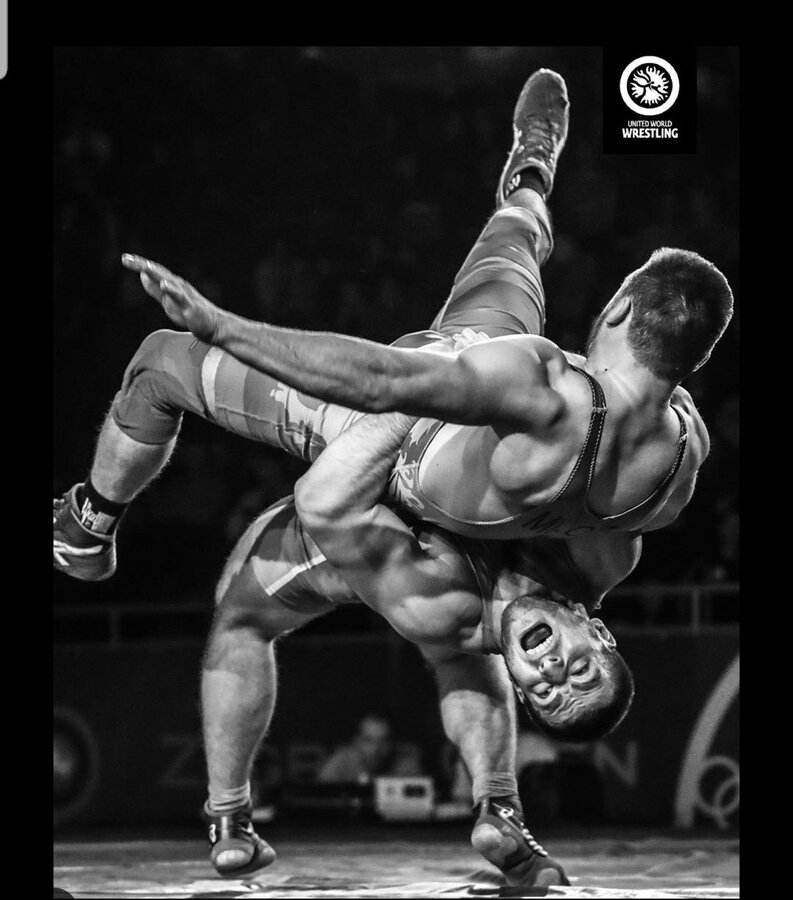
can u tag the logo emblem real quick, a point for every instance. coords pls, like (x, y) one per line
(649, 85)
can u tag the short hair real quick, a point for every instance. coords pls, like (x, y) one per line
(594, 721)
(681, 304)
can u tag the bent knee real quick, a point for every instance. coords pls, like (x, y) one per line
(244, 606)
(157, 347)
(161, 381)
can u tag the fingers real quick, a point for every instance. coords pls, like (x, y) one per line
(143, 265)
(173, 290)
(151, 286)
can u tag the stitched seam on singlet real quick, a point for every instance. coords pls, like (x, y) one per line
(598, 412)
(266, 419)
(682, 443)
(597, 416)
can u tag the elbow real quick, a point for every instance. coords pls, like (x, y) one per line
(314, 503)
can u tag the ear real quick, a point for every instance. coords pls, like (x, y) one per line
(608, 637)
(619, 311)
(577, 608)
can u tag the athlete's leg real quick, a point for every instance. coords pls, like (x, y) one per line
(478, 713)
(172, 373)
(238, 694)
(498, 290)
(238, 680)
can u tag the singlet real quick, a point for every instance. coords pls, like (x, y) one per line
(568, 513)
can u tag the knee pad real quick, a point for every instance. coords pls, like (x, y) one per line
(161, 381)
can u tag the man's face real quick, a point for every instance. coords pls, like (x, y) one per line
(373, 741)
(556, 656)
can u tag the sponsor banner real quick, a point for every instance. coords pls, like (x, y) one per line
(128, 738)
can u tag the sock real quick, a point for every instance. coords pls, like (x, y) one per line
(95, 512)
(499, 786)
(221, 802)
(526, 178)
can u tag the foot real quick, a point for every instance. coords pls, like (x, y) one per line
(236, 848)
(539, 124)
(76, 550)
(501, 836)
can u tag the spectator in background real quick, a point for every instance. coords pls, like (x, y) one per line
(371, 752)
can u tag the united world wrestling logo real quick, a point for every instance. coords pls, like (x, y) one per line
(649, 85)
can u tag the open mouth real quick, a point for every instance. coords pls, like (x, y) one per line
(537, 639)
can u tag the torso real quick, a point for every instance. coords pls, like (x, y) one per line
(288, 568)
(444, 472)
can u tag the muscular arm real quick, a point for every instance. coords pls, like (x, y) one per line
(368, 544)
(477, 710)
(499, 382)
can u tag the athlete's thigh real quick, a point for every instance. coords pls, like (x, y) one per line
(250, 403)
(498, 289)
(276, 579)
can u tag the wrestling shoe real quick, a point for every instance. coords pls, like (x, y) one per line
(539, 125)
(76, 550)
(234, 831)
(501, 836)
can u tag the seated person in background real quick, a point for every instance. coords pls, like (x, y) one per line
(371, 752)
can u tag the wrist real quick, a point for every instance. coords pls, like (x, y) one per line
(227, 327)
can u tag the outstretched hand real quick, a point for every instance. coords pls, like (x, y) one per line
(183, 304)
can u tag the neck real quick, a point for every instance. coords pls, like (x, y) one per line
(497, 607)
(636, 383)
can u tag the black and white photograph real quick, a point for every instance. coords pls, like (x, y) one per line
(395, 470)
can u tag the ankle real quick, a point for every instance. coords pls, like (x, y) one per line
(526, 179)
(95, 511)
(224, 801)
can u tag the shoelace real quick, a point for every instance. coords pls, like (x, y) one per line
(507, 813)
(540, 131)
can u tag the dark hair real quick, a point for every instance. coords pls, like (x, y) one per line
(594, 721)
(681, 304)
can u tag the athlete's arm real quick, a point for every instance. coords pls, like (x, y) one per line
(477, 710)
(369, 545)
(502, 382)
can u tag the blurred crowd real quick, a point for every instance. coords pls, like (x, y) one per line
(340, 189)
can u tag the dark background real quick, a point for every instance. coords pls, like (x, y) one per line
(340, 188)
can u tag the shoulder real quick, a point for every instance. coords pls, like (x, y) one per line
(697, 431)
(529, 347)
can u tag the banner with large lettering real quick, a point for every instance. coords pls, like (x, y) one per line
(127, 739)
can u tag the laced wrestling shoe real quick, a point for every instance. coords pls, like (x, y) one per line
(76, 550)
(501, 836)
(234, 831)
(539, 125)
